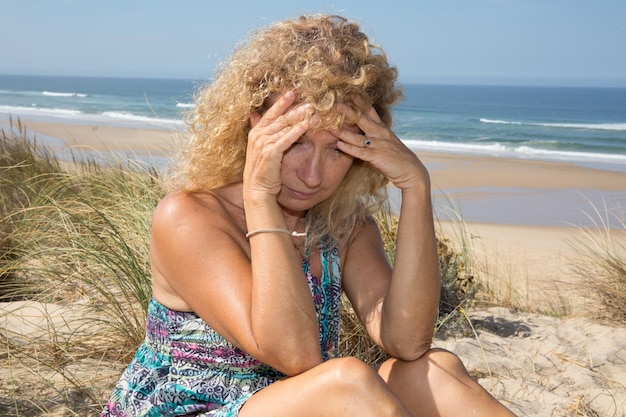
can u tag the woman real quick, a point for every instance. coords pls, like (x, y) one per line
(290, 154)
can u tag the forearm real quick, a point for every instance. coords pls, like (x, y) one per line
(283, 317)
(410, 306)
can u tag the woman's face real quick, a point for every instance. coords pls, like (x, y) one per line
(312, 170)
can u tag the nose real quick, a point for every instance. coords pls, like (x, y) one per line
(311, 171)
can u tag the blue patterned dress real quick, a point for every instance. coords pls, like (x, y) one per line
(185, 368)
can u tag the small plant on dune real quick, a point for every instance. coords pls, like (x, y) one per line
(580, 407)
(601, 263)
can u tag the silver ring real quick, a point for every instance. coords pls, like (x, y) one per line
(367, 142)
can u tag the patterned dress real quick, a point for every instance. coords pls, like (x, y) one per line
(185, 368)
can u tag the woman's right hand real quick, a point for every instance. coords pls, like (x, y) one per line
(272, 134)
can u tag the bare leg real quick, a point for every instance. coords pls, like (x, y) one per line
(437, 384)
(346, 387)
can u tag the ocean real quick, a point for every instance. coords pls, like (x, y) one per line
(575, 124)
(584, 126)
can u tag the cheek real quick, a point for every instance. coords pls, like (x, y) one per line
(289, 165)
(340, 169)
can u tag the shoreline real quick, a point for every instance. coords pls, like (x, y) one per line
(468, 187)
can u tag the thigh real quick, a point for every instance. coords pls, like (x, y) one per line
(344, 386)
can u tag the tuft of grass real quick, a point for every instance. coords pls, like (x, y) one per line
(601, 262)
(580, 407)
(23, 164)
(75, 234)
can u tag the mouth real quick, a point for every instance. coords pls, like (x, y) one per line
(299, 194)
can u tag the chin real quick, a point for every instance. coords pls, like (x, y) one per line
(297, 205)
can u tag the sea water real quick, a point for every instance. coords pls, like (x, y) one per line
(584, 126)
(116, 101)
(579, 125)
(576, 124)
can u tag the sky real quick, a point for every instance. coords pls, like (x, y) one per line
(515, 42)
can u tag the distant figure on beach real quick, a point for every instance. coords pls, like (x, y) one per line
(269, 220)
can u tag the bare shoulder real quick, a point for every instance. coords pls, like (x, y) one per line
(189, 231)
(182, 206)
(180, 210)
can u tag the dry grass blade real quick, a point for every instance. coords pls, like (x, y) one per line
(601, 262)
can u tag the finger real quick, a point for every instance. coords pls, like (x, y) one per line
(370, 111)
(373, 114)
(279, 107)
(293, 115)
(255, 118)
(367, 121)
(360, 152)
(353, 138)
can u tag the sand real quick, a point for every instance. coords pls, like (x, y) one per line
(548, 360)
(89, 137)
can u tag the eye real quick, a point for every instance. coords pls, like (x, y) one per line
(336, 151)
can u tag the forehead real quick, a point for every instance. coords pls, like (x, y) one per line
(330, 118)
(325, 135)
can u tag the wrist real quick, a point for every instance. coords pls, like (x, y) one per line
(262, 211)
(255, 198)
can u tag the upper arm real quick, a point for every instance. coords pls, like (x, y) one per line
(366, 277)
(195, 251)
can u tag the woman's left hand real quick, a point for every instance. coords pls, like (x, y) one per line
(379, 146)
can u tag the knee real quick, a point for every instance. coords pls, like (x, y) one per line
(355, 382)
(352, 378)
(351, 374)
(446, 360)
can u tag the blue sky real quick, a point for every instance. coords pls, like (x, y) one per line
(555, 42)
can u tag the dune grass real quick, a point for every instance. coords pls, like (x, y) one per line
(74, 249)
(601, 262)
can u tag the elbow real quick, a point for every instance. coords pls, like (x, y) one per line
(292, 362)
(409, 351)
(292, 365)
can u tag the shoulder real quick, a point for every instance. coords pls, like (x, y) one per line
(179, 206)
(187, 214)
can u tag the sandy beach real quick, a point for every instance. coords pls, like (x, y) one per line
(540, 350)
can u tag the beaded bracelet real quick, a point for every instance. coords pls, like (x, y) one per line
(274, 230)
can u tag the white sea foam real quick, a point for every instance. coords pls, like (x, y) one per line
(514, 152)
(136, 118)
(570, 155)
(38, 111)
(455, 147)
(55, 94)
(591, 126)
(185, 105)
(499, 122)
(105, 117)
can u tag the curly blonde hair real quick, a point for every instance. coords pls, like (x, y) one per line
(328, 60)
